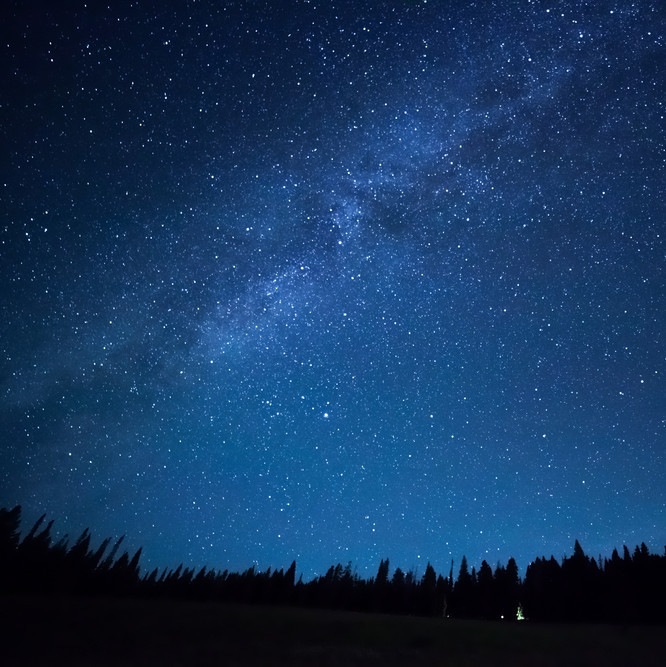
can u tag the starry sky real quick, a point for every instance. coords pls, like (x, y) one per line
(335, 281)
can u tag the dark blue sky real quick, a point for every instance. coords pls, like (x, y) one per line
(335, 281)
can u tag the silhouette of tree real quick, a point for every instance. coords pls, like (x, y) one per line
(382, 573)
(443, 593)
(399, 599)
(10, 522)
(578, 585)
(542, 591)
(35, 570)
(507, 584)
(463, 592)
(290, 576)
(105, 565)
(627, 588)
(429, 603)
(487, 604)
(381, 592)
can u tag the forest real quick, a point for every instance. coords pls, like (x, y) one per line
(628, 588)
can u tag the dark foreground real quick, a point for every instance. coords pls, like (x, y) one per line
(39, 631)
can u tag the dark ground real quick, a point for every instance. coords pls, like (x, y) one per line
(45, 631)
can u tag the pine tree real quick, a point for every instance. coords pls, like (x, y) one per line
(429, 602)
(10, 522)
(382, 573)
(463, 592)
(486, 588)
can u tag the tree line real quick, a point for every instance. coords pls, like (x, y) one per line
(628, 588)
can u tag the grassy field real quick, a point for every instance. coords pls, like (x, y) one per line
(37, 631)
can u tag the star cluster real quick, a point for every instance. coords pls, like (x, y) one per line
(335, 281)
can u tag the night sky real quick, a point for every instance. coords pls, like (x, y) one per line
(335, 281)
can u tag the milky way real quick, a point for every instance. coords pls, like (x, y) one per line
(335, 281)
